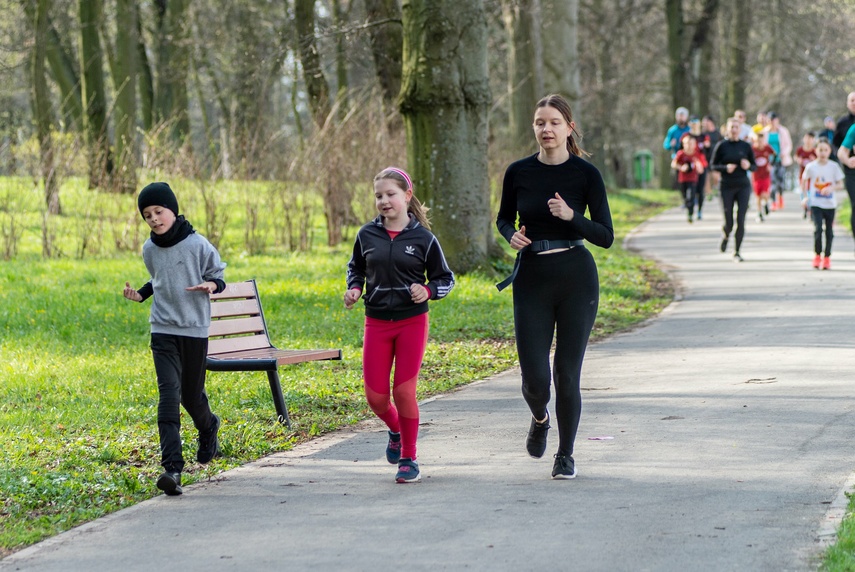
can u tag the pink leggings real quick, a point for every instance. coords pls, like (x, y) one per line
(402, 342)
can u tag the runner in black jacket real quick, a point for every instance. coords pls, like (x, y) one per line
(733, 158)
(401, 266)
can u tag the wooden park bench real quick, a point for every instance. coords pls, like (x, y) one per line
(238, 341)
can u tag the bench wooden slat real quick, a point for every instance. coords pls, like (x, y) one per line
(230, 308)
(283, 357)
(226, 345)
(237, 290)
(253, 325)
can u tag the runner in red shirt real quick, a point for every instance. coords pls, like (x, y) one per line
(689, 163)
(763, 155)
(804, 155)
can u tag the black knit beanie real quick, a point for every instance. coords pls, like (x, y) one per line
(158, 194)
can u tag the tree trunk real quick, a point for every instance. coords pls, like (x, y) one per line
(560, 39)
(61, 65)
(42, 108)
(525, 84)
(445, 100)
(677, 64)
(319, 100)
(342, 84)
(737, 72)
(94, 98)
(125, 179)
(700, 57)
(172, 62)
(145, 79)
(313, 75)
(386, 45)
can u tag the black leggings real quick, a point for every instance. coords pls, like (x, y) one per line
(850, 189)
(555, 294)
(821, 216)
(179, 362)
(689, 191)
(740, 196)
(700, 190)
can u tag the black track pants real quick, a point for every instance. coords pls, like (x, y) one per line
(740, 197)
(179, 362)
(822, 217)
(555, 294)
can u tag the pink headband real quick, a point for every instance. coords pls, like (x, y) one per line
(403, 174)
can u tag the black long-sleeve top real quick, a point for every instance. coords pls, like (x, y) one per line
(842, 127)
(732, 152)
(529, 184)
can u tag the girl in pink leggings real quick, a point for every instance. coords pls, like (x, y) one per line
(400, 265)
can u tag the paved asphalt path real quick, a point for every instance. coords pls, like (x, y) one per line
(730, 441)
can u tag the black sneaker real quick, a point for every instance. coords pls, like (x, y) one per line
(170, 483)
(209, 445)
(393, 449)
(408, 471)
(723, 246)
(564, 467)
(737, 257)
(535, 443)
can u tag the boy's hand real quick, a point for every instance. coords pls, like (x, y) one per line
(351, 296)
(207, 287)
(131, 294)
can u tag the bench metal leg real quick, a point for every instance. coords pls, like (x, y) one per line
(278, 398)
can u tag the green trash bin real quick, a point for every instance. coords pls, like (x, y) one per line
(642, 163)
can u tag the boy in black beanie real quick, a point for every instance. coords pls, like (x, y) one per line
(184, 268)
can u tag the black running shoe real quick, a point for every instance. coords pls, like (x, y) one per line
(408, 471)
(723, 246)
(564, 467)
(209, 445)
(535, 443)
(170, 483)
(737, 257)
(393, 449)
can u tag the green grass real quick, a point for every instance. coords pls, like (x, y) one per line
(840, 557)
(77, 392)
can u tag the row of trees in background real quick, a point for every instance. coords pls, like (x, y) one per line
(327, 92)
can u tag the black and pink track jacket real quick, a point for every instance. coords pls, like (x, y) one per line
(383, 268)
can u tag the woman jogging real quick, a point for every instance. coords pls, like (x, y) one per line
(733, 158)
(556, 288)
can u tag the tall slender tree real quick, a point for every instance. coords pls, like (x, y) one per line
(560, 40)
(737, 56)
(124, 80)
(42, 108)
(63, 70)
(318, 91)
(386, 34)
(525, 70)
(94, 98)
(173, 64)
(445, 100)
